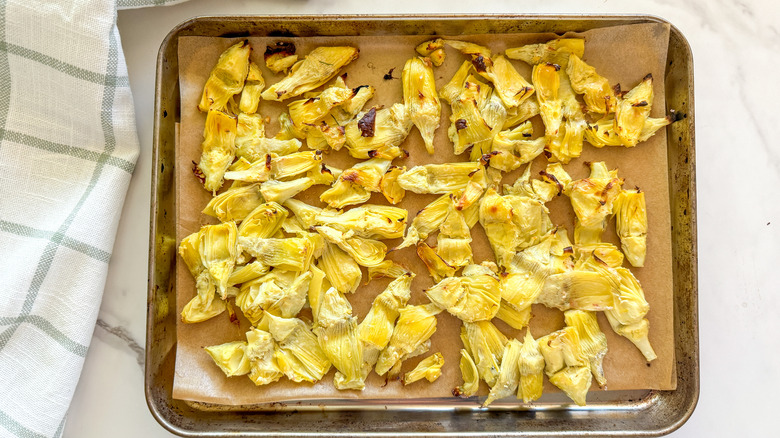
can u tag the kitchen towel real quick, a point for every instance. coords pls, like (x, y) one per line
(68, 146)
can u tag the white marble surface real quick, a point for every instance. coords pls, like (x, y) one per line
(735, 45)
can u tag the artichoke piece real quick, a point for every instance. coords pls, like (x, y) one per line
(633, 110)
(567, 144)
(454, 87)
(218, 252)
(454, 239)
(631, 224)
(520, 114)
(531, 370)
(468, 127)
(337, 332)
(370, 221)
(555, 181)
(516, 318)
(355, 184)
(604, 252)
(547, 82)
(291, 254)
(244, 172)
(377, 327)
(592, 198)
(280, 293)
(529, 214)
(583, 290)
(508, 375)
(486, 344)
(470, 298)
(437, 267)
(248, 272)
(340, 269)
(599, 96)
(219, 148)
(438, 178)
(281, 191)
(234, 204)
(205, 305)
(513, 148)
(627, 318)
(319, 66)
(419, 87)
(189, 250)
(428, 369)
(415, 326)
(387, 268)
(433, 49)
(510, 86)
(565, 364)
(349, 109)
(390, 187)
(427, 220)
(602, 133)
(468, 370)
(592, 340)
(260, 348)
(299, 354)
(263, 222)
(495, 216)
(378, 132)
(554, 51)
(230, 358)
(250, 95)
(296, 163)
(304, 113)
(250, 134)
(227, 78)
(326, 135)
(318, 285)
(280, 57)
(366, 252)
(254, 149)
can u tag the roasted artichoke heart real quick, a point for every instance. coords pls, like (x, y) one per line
(420, 98)
(260, 351)
(438, 178)
(250, 95)
(341, 270)
(378, 132)
(554, 51)
(433, 49)
(592, 340)
(531, 370)
(473, 298)
(631, 224)
(508, 375)
(598, 95)
(299, 355)
(263, 222)
(219, 148)
(565, 363)
(318, 67)
(428, 369)
(337, 332)
(370, 221)
(234, 204)
(230, 358)
(227, 78)
(486, 345)
(218, 251)
(633, 110)
(415, 326)
(592, 198)
(376, 329)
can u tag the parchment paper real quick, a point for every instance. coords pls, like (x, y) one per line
(622, 54)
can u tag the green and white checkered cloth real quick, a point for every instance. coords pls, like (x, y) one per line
(68, 146)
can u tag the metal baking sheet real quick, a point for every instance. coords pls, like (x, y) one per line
(610, 413)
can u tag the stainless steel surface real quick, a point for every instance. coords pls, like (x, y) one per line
(614, 413)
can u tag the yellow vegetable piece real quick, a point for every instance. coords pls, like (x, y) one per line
(438, 178)
(415, 326)
(291, 254)
(633, 110)
(495, 216)
(230, 358)
(554, 51)
(260, 349)
(428, 369)
(340, 269)
(355, 184)
(205, 305)
(219, 148)
(468, 127)
(218, 251)
(531, 366)
(189, 250)
(513, 148)
(437, 267)
(281, 191)
(280, 57)
(454, 87)
(574, 381)
(248, 272)
(250, 134)
(318, 285)
(366, 252)
(547, 82)
(387, 268)
(514, 317)
(508, 375)
(565, 363)
(419, 88)
(486, 344)
(227, 78)
(378, 132)
(370, 221)
(602, 132)
(250, 95)
(376, 329)
(434, 49)
(281, 293)
(592, 340)
(319, 66)
(470, 298)
(426, 221)
(299, 354)
(627, 318)
(305, 113)
(390, 187)
(234, 204)
(510, 86)
(598, 95)
(468, 370)
(337, 332)
(583, 290)
(263, 222)
(454, 239)
(520, 114)
(592, 198)
(631, 225)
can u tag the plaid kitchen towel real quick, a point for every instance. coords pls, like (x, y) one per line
(68, 146)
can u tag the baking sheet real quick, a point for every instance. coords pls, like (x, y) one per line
(623, 54)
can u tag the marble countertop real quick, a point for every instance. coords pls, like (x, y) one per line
(735, 45)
